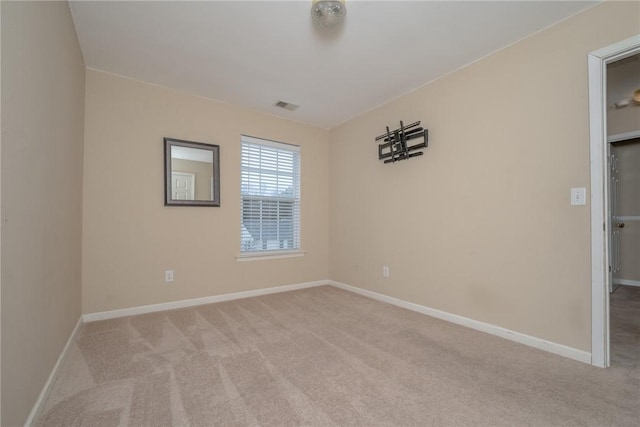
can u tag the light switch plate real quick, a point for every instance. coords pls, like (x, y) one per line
(578, 196)
(168, 276)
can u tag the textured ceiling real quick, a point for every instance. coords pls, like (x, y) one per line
(253, 54)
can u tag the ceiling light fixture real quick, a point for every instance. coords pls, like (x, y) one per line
(328, 13)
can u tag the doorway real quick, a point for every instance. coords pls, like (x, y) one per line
(601, 245)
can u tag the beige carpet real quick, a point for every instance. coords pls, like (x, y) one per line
(625, 329)
(323, 357)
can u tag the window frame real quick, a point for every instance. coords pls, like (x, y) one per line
(271, 253)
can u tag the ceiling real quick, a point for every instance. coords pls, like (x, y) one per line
(255, 53)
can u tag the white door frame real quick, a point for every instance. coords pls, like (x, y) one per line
(598, 61)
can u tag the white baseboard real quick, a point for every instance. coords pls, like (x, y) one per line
(531, 341)
(518, 337)
(551, 347)
(52, 376)
(144, 309)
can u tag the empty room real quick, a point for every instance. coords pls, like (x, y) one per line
(320, 213)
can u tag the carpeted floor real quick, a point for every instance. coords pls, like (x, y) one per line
(625, 329)
(324, 357)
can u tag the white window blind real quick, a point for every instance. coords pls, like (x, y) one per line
(270, 196)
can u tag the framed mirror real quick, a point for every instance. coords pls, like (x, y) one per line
(191, 173)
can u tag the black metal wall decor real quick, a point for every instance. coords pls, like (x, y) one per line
(395, 144)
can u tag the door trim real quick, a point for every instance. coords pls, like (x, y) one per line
(597, 65)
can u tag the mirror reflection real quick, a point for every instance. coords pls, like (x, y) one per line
(191, 173)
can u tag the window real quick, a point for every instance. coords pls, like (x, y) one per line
(270, 193)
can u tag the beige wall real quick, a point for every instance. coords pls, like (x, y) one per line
(42, 132)
(623, 78)
(623, 120)
(481, 225)
(130, 238)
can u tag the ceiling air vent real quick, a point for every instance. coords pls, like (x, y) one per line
(286, 105)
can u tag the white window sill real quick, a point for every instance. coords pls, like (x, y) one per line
(259, 256)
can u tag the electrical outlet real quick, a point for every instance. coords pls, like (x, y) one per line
(168, 275)
(385, 271)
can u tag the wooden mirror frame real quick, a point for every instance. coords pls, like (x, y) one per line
(215, 173)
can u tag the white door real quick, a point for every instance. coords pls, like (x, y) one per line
(625, 213)
(182, 186)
